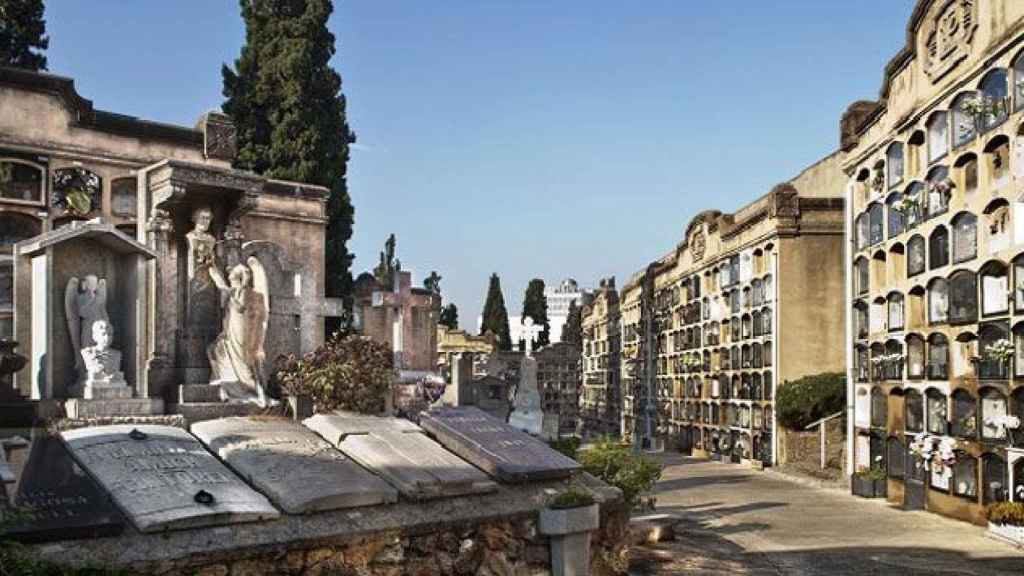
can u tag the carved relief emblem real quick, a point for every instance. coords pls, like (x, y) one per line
(697, 246)
(947, 35)
(220, 137)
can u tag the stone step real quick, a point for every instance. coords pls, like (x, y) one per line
(202, 411)
(82, 408)
(198, 393)
(97, 392)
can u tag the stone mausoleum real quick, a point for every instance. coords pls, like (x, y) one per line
(145, 225)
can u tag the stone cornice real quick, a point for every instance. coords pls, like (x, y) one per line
(83, 114)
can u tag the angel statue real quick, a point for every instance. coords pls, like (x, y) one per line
(85, 303)
(236, 357)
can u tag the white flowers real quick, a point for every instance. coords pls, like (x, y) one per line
(926, 447)
(1001, 350)
(1002, 422)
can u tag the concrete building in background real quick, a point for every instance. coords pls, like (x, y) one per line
(558, 374)
(711, 329)
(600, 402)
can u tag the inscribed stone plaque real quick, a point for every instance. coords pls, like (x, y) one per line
(53, 498)
(499, 449)
(402, 454)
(163, 478)
(297, 469)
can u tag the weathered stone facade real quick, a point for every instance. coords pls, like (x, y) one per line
(601, 391)
(482, 536)
(558, 372)
(935, 341)
(65, 161)
(710, 330)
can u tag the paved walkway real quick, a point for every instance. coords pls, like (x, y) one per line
(739, 521)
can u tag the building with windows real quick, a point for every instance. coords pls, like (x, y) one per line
(936, 262)
(558, 374)
(87, 185)
(713, 328)
(600, 404)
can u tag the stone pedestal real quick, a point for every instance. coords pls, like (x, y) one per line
(569, 531)
(527, 415)
(113, 406)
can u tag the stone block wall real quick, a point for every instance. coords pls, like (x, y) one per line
(510, 547)
(801, 450)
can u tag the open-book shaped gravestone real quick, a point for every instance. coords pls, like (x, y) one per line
(163, 479)
(402, 454)
(496, 447)
(297, 469)
(51, 497)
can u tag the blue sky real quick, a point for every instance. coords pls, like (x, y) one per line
(529, 138)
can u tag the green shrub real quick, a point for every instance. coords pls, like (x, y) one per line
(568, 446)
(802, 402)
(619, 466)
(873, 473)
(348, 372)
(1011, 513)
(571, 498)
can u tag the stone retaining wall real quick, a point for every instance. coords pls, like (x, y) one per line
(505, 548)
(802, 450)
(485, 535)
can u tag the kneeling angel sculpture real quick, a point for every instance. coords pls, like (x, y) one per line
(237, 356)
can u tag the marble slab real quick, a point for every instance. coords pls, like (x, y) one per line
(52, 498)
(294, 467)
(402, 454)
(162, 478)
(499, 449)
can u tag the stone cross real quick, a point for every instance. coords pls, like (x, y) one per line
(530, 334)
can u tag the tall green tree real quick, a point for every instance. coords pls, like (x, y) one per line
(289, 110)
(495, 316)
(449, 316)
(535, 305)
(572, 330)
(23, 34)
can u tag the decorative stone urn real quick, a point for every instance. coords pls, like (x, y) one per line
(10, 363)
(569, 530)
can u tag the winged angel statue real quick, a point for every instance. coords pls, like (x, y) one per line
(85, 302)
(237, 356)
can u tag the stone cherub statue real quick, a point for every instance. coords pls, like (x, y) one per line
(102, 363)
(237, 356)
(85, 303)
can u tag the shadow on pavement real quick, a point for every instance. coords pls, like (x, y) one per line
(701, 548)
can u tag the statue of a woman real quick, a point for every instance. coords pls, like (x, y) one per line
(202, 296)
(236, 357)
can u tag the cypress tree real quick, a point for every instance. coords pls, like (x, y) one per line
(449, 316)
(495, 316)
(23, 34)
(572, 330)
(289, 110)
(535, 305)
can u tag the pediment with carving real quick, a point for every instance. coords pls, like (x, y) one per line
(946, 34)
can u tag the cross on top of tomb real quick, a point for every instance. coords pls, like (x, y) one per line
(531, 333)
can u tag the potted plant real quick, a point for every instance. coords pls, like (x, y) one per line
(1006, 521)
(568, 519)
(870, 482)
